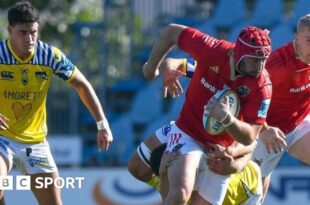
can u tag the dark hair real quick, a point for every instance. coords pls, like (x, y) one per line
(23, 12)
(155, 159)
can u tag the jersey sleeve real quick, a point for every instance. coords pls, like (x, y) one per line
(189, 67)
(61, 65)
(196, 43)
(255, 105)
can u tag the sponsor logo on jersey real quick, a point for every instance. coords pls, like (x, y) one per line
(262, 112)
(207, 85)
(21, 111)
(243, 91)
(37, 161)
(7, 75)
(300, 89)
(214, 68)
(41, 75)
(24, 76)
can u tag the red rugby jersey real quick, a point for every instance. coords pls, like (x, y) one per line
(290, 79)
(215, 69)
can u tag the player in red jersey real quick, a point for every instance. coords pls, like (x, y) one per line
(220, 64)
(289, 69)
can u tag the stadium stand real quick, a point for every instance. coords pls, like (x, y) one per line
(280, 35)
(267, 14)
(300, 8)
(225, 14)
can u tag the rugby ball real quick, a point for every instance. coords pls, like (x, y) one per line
(211, 125)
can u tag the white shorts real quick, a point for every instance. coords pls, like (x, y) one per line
(268, 162)
(211, 186)
(28, 158)
(162, 135)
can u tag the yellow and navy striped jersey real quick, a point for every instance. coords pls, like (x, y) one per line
(23, 88)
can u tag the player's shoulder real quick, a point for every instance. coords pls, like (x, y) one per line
(47, 51)
(46, 47)
(3, 43)
(281, 57)
(5, 54)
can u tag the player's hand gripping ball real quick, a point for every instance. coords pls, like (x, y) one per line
(211, 125)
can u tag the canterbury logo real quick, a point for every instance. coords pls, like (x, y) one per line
(41, 75)
(7, 75)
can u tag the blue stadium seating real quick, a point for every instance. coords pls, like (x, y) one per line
(228, 13)
(208, 28)
(123, 144)
(236, 30)
(280, 35)
(267, 14)
(147, 104)
(301, 8)
(288, 160)
(172, 114)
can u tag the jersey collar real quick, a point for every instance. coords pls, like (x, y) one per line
(17, 57)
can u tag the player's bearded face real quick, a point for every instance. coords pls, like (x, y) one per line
(302, 40)
(23, 38)
(252, 66)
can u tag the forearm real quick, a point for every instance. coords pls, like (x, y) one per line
(91, 101)
(173, 64)
(241, 131)
(88, 96)
(241, 163)
(168, 37)
(237, 149)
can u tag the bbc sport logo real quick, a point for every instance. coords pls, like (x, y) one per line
(22, 182)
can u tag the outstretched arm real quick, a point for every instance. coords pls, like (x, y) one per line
(91, 101)
(167, 38)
